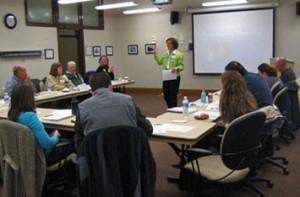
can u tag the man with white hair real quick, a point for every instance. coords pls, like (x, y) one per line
(20, 75)
(287, 73)
(72, 75)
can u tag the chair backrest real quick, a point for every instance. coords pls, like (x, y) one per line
(275, 88)
(36, 82)
(22, 160)
(122, 164)
(242, 140)
(281, 100)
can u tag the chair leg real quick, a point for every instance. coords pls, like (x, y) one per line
(283, 167)
(261, 193)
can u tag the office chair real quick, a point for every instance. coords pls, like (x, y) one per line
(116, 161)
(238, 152)
(275, 88)
(23, 162)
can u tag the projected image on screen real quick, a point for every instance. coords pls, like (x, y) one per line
(244, 36)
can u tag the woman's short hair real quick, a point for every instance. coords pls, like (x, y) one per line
(174, 42)
(269, 70)
(22, 100)
(103, 57)
(54, 67)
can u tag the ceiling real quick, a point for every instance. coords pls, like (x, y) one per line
(177, 5)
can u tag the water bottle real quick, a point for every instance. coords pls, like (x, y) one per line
(48, 88)
(185, 107)
(74, 105)
(6, 99)
(203, 96)
(70, 85)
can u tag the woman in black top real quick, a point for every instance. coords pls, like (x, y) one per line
(104, 66)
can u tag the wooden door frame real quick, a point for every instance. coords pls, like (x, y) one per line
(80, 49)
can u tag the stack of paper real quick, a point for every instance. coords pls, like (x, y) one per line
(180, 109)
(163, 128)
(59, 114)
(213, 106)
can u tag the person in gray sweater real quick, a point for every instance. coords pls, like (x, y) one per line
(107, 109)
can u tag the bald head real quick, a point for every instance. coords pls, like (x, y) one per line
(281, 64)
(71, 66)
(20, 71)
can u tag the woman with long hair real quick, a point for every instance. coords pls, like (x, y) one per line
(22, 110)
(235, 100)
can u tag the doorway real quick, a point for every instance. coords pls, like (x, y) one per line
(71, 48)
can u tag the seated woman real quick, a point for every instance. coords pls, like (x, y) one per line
(235, 101)
(22, 110)
(55, 78)
(269, 74)
(104, 66)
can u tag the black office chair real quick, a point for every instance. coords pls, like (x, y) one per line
(116, 161)
(282, 101)
(238, 152)
(275, 88)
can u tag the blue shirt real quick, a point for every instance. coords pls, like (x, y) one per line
(11, 82)
(259, 88)
(31, 120)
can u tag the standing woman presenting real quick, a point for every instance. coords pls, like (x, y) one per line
(172, 63)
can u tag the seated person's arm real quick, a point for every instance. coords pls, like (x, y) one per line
(40, 133)
(142, 122)
(54, 86)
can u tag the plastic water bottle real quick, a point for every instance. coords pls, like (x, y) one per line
(6, 98)
(48, 88)
(70, 85)
(74, 105)
(203, 96)
(185, 107)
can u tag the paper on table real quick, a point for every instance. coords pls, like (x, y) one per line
(163, 128)
(213, 115)
(213, 106)
(179, 109)
(59, 115)
(169, 75)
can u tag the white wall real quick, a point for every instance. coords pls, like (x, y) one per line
(135, 29)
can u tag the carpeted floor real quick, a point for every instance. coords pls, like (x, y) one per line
(154, 105)
(287, 186)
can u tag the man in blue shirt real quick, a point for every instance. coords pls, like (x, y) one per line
(20, 75)
(257, 85)
(287, 73)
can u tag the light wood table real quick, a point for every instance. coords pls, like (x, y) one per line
(45, 97)
(65, 124)
(201, 129)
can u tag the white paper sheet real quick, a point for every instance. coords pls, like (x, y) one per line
(168, 75)
(163, 128)
(213, 106)
(179, 109)
(57, 115)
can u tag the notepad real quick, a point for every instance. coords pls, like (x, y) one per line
(57, 115)
(163, 128)
(180, 109)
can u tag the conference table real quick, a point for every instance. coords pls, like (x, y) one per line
(51, 96)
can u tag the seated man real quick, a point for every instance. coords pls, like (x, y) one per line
(20, 75)
(72, 75)
(257, 86)
(107, 109)
(287, 73)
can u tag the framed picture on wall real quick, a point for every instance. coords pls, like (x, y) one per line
(133, 49)
(96, 51)
(149, 48)
(49, 54)
(88, 51)
(109, 50)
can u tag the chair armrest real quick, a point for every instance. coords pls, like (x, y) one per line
(200, 151)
